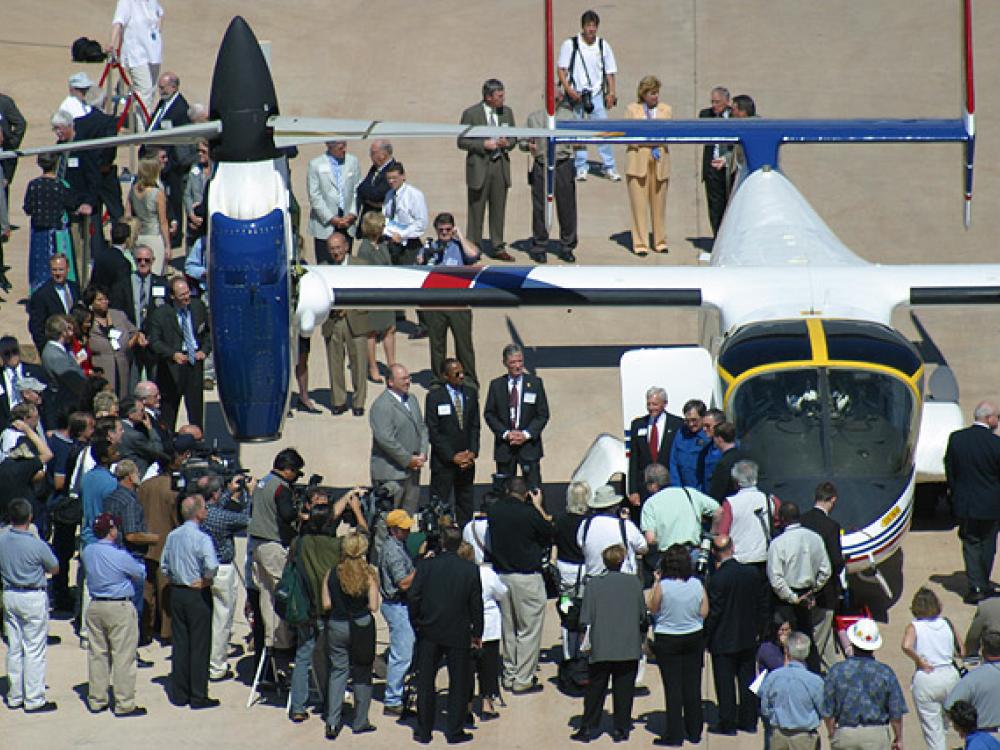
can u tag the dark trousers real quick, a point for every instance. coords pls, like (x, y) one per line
(979, 548)
(191, 614)
(459, 660)
(622, 676)
(493, 193)
(488, 669)
(530, 470)
(735, 672)
(565, 195)
(715, 195)
(189, 386)
(448, 477)
(173, 180)
(64, 546)
(680, 659)
(437, 323)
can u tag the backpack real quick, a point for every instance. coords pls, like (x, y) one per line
(573, 677)
(572, 62)
(292, 597)
(87, 50)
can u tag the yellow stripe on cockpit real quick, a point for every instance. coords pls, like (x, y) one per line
(817, 341)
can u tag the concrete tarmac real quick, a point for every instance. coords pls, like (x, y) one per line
(426, 62)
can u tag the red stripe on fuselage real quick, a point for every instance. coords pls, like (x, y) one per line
(453, 278)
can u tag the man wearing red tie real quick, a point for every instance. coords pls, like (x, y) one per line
(517, 412)
(651, 437)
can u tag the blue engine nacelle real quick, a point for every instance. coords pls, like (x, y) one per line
(250, 294)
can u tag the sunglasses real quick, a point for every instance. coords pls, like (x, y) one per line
(143, 260)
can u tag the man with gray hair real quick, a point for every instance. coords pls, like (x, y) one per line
(791, 699)
(981, 686)
(332, 182)
(651, 437)
(400, 441)
(516, 412)
(673, 515)
(748, 516)
(487, 167)
(713, 163)
(371, 191)
(972, 468)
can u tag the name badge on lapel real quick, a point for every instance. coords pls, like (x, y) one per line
(529, 398)
(444, 410)
(643, 431)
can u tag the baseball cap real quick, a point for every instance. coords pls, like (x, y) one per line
(399, 519)
(80, 81)
(104, 523)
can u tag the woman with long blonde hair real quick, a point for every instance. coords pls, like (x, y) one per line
(147, 202)
(350, 596)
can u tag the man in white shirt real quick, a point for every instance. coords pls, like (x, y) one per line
(606, 528)
(405, 211)
(587, 71)
(136, 30)
(76, 103)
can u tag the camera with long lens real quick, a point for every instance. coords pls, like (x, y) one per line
(703, 557)
(301, 491)
(587, 102)
(207, 460)
(433, 518)
(376, 501)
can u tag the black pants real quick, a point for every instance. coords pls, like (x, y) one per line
(64, 546)
(488, 669)
(189, 386)
(565, 194)
(191, 615)
(979, 548)
(444, 479)
(681, 659)
(715, 194)
(459, 660)
(735, 672)
(437, 323)
(530, 470)
(622, 676)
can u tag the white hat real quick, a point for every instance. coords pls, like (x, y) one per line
(864, 635)
(80, 81)
(605, 497)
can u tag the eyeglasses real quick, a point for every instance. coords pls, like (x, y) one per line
(143, 260)
(441, 230)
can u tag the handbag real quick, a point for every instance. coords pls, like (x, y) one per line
(550, 574)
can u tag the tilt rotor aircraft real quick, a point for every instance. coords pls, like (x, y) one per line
(798, 345)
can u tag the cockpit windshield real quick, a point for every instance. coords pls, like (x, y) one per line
(832, 422)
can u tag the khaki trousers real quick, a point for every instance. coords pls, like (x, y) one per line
(862, 738)
(113, 637)
(268, 564)
(338, 338)
(648, 197)
(782, 739)
(223, 609)
(79, 233)
(523, 614)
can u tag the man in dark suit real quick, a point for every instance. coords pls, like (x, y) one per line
(14, 371)
(487, 167)
(713, 162)
(67, 381)
(517, 412)
(179, 338)
(820, 520)
(172, 111)
(650, 439)
(972, 468)
(735, 611)
(137, 295)
(446, 610)
(371, 191)
(55, 296)
(720, 484)
(112, 264)
(452, 415)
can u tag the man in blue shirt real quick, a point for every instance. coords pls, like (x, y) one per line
(687, 446)
(791, 699)
(112, 623)
(965, 719)
(862, 699)
(24, 561)
(96, 485)
(188, 561)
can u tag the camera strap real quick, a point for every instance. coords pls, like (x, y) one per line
(586, 72)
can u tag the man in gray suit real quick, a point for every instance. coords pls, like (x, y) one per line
(487, 167)
(332, 181)
(66, 378)
(399, 441)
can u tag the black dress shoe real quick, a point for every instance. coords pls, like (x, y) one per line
(974, 596)
(45, 708)
(664, 742)
(504, 256)
(619, 735)
(338, 409)
(583, 734)
(423, 739)
(358, 411)
(333, 732)
(538, 256)
(199, 703)
(567, 257)
(52, 640)
(719, 729)
(137, 711)
(459, 737)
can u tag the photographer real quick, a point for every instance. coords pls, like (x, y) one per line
(396, 573)
(272, 528)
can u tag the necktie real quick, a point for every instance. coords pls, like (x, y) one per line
(338, 177)
(61, 169)
(15, 388)
(654, 442)
(457, 398)
(190, 345)
(515, 401)
(649, 116)
(493, 118)
(143, 297)
(392, 206)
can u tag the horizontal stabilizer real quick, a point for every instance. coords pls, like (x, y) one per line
(183, 134)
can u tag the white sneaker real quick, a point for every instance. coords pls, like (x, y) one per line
(581, 175)
(704, 257)
(612, 175)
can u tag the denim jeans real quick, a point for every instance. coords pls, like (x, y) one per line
(599, 113)
(401, 640)
(307, 635)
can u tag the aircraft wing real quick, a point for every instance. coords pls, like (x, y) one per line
(291, 131)
(170, 137)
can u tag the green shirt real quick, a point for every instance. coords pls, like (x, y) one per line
(674, 518)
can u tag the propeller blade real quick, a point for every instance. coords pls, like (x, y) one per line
(169, 137)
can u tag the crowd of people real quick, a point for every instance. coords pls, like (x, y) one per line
(681, 555)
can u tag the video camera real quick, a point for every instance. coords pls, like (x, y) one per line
(432, 519)
(374, 502)
(208, 460)
(301, 491)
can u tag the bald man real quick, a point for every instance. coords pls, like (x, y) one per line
(399, 441)
(972, 467)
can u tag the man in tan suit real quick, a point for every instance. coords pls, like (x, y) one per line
(345, 331)
(487, 168)
(647, 172)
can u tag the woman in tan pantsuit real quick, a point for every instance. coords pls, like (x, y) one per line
(647, 172)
